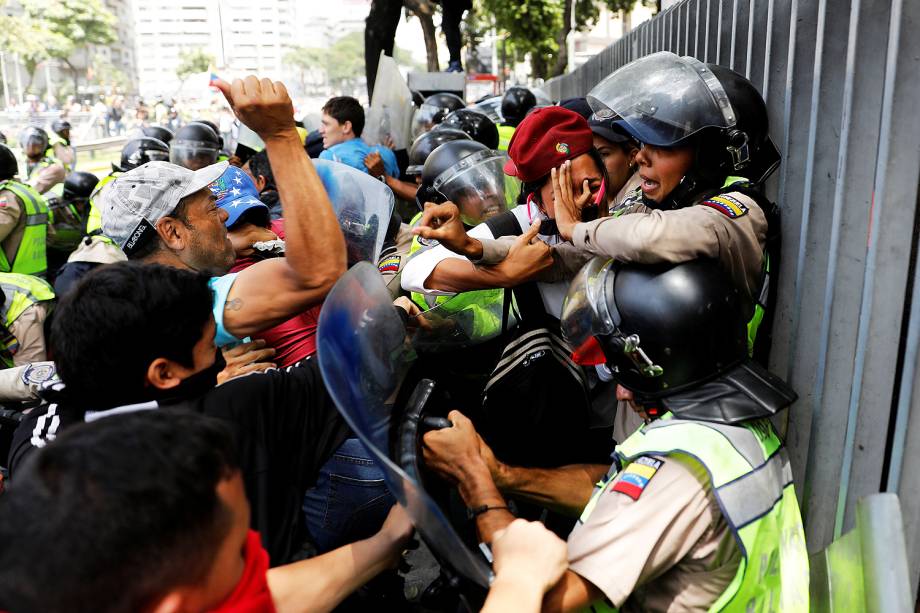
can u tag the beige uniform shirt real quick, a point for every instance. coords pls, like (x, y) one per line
(29, 330)
(393, 260)
(668, 550)
(45, 178)
(12, 223)
(649, 236)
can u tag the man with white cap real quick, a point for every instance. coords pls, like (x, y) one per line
(163, 213)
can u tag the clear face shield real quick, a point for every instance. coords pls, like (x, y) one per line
(476, 184)
(193, 154)
(34, 146)
(363, 206)
(663, 98)
(425, 118)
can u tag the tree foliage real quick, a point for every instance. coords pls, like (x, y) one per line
(342, 62)
(538, 28)
(55, 29)
(193, 61)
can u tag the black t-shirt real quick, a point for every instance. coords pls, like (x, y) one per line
(286, 427)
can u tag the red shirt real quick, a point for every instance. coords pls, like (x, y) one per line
(294, 339)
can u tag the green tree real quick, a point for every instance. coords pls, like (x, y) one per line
(30, 41)
(538, 29)
(72, 26)
(192, 61)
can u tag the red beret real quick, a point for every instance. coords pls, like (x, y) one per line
(547, 137)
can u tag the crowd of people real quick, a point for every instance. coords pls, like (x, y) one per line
(588, 285)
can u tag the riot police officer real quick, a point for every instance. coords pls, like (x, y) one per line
(698, 511)
(23, 221)
(195, 146)
(701, 165)
(43, 172)
(516, 103)
(61, 148)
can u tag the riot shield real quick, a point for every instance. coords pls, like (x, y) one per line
(364, 352)
(363, 205)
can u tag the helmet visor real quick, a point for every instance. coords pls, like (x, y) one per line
(193, 154)
(425, 118)
(663, 99)
(476, 184)
(584, 313)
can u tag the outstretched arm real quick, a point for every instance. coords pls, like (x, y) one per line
(321, 583)
(272, 291)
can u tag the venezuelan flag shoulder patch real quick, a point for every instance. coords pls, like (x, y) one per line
(635, 477)
(389, 264)
(728, 206)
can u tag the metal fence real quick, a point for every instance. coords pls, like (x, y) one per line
(842, 83)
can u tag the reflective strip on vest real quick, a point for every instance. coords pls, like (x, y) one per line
(31, 257)
(752, 482)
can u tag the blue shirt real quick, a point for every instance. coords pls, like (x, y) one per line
(221, 288)
(352, 152)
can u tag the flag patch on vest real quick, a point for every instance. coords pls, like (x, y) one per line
(635, 477)
(389, 264)
(728, 206)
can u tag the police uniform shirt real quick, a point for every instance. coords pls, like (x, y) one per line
(631, 185)
(393, 258)
(29, 330)
(285, 424)
(729, 227)
(669, 549)
(12, 224)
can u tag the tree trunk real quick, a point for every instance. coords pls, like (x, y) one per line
(539, 66)
(379, 35)
(562, 59)
(626, 17)
(76, 76)
(424, 10)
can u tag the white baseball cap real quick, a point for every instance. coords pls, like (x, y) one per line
(134, 202)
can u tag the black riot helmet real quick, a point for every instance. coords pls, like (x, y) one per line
(9, 167)
(470, 175)
(195, 146)
(516, 103)
(139, 151)
(666, 100)
(674, 335)
(79, 185)
(61, 127)
(158, 132)
(33, 141)
(428, 142)
(433, 111)
(213, 126)
(478, 126)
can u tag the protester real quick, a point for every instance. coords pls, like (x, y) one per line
(286, 424)
(175, 221)
(96, 249)
(148, 511)
(529, 560)
(341, 128)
